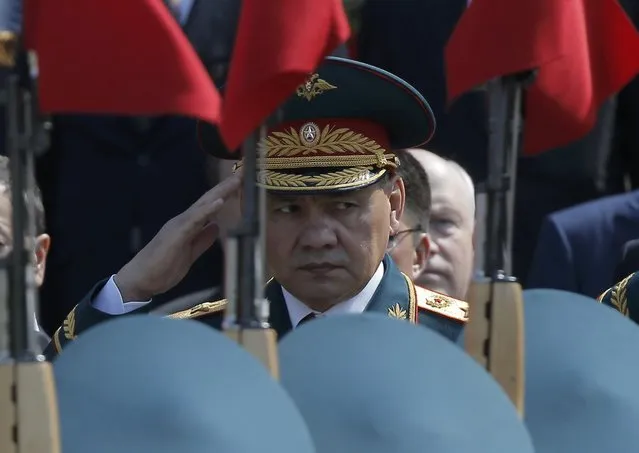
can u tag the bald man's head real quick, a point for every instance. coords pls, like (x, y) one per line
(451, 227)
(441, 170)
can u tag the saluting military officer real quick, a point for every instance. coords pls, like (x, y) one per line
(333, 199)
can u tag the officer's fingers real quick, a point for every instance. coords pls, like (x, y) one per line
(222, 191)
(198, 217)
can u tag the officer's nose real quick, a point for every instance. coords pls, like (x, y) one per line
(318, 232)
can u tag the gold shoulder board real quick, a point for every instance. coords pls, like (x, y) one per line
(206, 308)
(441, 304)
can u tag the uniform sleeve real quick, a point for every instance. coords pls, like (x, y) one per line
(86, 315)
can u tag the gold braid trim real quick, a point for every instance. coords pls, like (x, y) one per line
(56, 341)
(348, 177)
(604, 294)
(618, 296)
(291, 163)
(68, 326)
(286, 150)
(206, 308)
(412, 299)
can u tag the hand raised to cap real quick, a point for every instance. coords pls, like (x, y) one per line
(167, 258)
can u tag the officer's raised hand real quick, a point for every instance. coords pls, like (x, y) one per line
(167, 258)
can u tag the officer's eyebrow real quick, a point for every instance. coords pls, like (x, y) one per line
(279, 197)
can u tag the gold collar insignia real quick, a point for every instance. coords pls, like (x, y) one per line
(396, 312)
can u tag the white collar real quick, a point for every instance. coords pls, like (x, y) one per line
(357, 304)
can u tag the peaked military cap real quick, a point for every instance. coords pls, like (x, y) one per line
(582, 375)
(624, 297)
(370, 383)
(146, 384)
(338, 131)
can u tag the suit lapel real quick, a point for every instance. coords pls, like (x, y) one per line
(395, 295)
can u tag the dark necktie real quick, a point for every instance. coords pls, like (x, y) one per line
(307, 318)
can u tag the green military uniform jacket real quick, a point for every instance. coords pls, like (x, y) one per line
(396, 297)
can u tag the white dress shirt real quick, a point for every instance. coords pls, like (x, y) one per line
(109, 300)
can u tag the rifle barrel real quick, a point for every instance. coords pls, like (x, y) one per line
(505, 101)
(22, 298)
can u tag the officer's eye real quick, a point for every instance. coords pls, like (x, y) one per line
(287, 209)
(344, 205)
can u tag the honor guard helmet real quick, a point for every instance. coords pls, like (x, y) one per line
(375, 384)
(146, 384)
(582, 372)
(338, 131)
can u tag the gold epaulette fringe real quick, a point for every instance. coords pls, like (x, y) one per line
(206, 308)
(441, 304)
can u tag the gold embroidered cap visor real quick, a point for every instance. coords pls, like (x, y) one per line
(338, 131)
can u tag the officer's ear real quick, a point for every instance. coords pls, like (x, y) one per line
(396, 197)
(420, 256)
(43, 243)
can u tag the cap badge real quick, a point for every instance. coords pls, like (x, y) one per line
(314, 86)
(310, 134)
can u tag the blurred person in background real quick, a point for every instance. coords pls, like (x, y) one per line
(42, 240)
(449, 268)
(409, 247)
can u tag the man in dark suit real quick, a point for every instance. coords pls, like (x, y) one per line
(408, 38)
(109, 183)
(579, 247)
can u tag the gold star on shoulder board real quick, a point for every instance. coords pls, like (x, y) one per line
(441, 304)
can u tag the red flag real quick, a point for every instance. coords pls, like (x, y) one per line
(278, 43)
(584, 50)
(116, 57)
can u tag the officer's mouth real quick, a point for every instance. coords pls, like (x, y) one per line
(319, 268)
